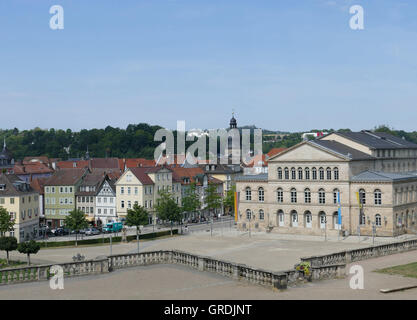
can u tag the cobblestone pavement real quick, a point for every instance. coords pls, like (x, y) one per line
(169, 282)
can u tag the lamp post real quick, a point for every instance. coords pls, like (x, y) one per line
(325, 228)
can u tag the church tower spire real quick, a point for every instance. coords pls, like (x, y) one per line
(233, 122)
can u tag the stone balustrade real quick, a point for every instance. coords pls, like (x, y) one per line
(349, 256)
(277, 280)
(42, 272)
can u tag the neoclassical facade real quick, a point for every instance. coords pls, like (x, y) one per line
(370, 176)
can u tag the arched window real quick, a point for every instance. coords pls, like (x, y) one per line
(308, 219)
(335, 195)
(281, 221)
(336, 174)
(248, 214)
(329, 174)
(300, 174)
(248, 194)
(293, 176)
(280, 173)
(261, 194)
(261, 215)
(322, 196)
(280, 195)
(378, 221)
(307, 173)
(294, 218)
(378, 197)
(321, 172)
(322, 220)
(307, 196)
(314, 173)
(287, 173)
(293, 195)
(362, 196)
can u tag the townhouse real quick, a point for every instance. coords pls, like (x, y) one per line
(22, 203)
(60, 192)
(142, 185)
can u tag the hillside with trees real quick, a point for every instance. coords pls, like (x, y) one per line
(133, 142)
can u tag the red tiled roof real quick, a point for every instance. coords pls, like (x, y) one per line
(80, 164)
(105, 163)
(142, 173)
(259, 160)
(66, 177)
(178, 159)
(31, 168)
(38, 184)
(139, 162)
(275, 151)
(179, 173)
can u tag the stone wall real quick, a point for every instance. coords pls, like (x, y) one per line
(361, 254)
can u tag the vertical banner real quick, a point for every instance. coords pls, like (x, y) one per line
(236, 204)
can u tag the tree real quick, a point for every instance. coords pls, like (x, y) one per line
(8, 244)
(229, 200)
(213, 199)
(191, 200)
(138, 216)
(28, 248)
(6, 223)
(75, 222)
(167, 208)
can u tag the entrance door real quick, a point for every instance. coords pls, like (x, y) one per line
(308, 220)
(322, 221)
(281, 218)
(336, 221)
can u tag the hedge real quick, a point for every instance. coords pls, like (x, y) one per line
(152, 235)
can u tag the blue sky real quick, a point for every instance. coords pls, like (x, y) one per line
(282, 65)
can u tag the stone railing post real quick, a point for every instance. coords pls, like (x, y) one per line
(236, 271)
(348, 256)
(201, 263)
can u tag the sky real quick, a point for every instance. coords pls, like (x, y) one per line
(280, 65)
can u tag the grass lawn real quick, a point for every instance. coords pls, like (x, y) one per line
(406, 270)
(3, 264)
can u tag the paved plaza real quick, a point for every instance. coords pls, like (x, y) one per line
(275, 252)
(269, 251)
(169, 282)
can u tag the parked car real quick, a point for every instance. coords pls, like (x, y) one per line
(92, 232)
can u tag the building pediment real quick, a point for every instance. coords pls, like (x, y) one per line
(307, 152)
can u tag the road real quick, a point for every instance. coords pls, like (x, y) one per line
(192, 227)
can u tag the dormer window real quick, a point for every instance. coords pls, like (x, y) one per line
(2, 187)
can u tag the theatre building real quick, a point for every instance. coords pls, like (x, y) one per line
(371, 176)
